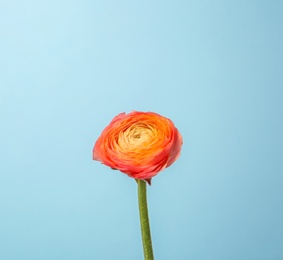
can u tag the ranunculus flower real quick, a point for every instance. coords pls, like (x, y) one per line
(139, 144)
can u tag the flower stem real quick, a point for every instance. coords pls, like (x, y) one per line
(145, 228)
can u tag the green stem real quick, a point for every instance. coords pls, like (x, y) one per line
(145, 228)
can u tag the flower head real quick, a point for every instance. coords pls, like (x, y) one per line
(139, 144)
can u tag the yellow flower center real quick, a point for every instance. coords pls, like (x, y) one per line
(136, 137)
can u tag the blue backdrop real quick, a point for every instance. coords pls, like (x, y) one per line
(213, 67)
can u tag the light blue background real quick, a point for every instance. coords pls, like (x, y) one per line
(213, 67)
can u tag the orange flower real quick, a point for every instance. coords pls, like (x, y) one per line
(140, 144)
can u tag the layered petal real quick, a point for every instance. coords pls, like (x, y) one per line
(139, 144)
